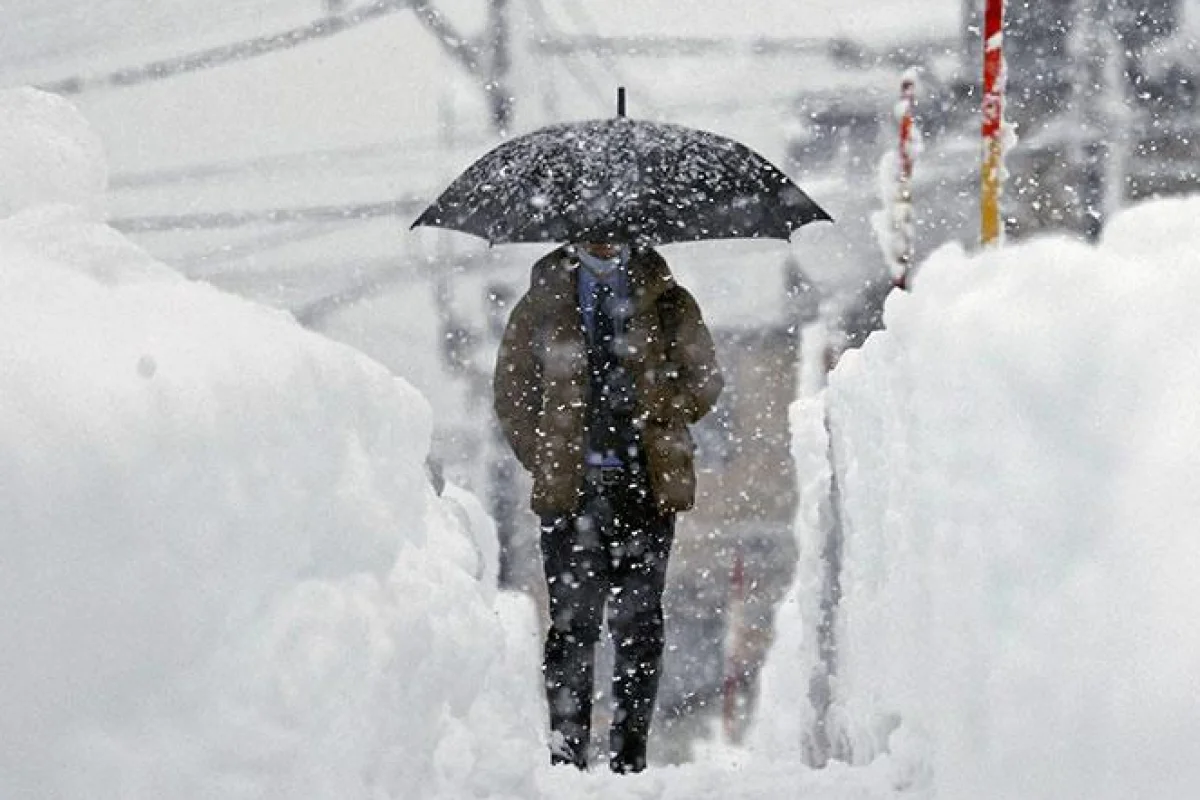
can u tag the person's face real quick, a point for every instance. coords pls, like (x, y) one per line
(604, 250)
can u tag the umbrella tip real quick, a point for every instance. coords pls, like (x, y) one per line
(620, 101)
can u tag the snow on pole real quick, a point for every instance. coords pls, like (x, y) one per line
(908, 86)
(991, 226)
(902, 215)
(894, 225)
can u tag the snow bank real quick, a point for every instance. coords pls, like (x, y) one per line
(225, 573)
(1017, 461)
(48, 154)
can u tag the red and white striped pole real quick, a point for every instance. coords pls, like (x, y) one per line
(991, 223)
(902, 219)
(908, 86)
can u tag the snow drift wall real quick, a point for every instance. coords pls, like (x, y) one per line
(224, 571)
(1017, 458)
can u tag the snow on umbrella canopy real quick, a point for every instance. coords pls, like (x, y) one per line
(621, 179)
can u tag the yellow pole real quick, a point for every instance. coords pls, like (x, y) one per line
(992, 177)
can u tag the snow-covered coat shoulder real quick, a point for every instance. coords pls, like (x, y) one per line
(540, 385)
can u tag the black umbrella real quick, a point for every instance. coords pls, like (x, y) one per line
(622, 179)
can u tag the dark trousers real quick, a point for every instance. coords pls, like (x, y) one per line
(614, 549)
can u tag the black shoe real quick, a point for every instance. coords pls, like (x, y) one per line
(567, 752)
(629, 756)
(625, 766)
(627, 748)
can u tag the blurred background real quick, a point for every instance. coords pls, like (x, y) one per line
(279, 149)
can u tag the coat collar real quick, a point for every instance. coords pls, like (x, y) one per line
(649, 275)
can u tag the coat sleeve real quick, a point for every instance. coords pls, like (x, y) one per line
(698, 382)
(517, 384)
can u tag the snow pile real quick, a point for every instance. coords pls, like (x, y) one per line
(48, 154)
(225, 573)
(1016, 456)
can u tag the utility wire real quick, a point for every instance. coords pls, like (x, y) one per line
(541, 19)
(210, 263)
(386, 272)
(199, 172)
(224, 54)
(456, 45)
(586, 23)
(402, 207)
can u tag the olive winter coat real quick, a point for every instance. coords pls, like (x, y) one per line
(541, 386)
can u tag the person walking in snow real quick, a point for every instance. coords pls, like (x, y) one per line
(603, 365)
